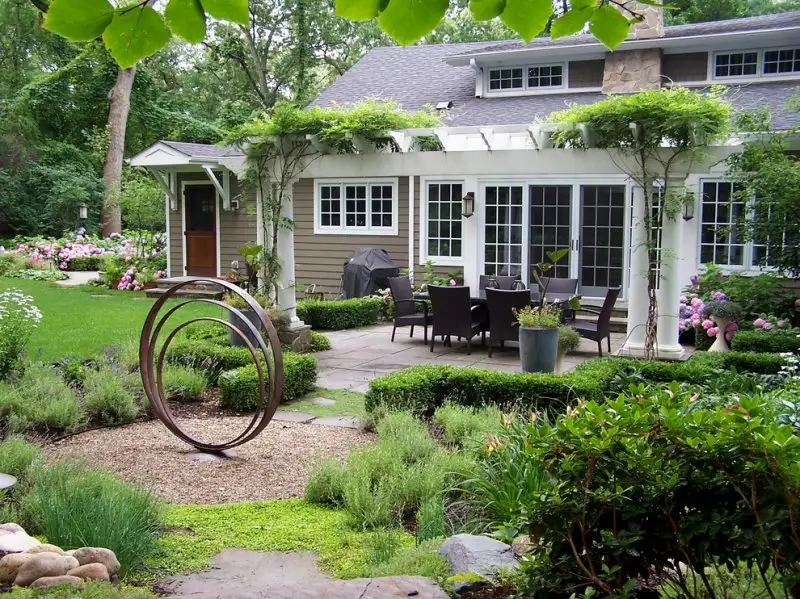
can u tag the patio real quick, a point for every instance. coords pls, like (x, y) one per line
(360, 355)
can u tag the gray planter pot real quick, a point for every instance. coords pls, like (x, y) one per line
(233, 338)
(538, 349)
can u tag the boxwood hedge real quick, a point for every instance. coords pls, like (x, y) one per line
(336, 315)
(212, 358)
(766, 341)
(422, 389)
(238, 389)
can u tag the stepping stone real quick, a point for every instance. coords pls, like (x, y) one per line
(323, 401)
(340, 421)
(285, 416)
(253, 575)
(204, 456)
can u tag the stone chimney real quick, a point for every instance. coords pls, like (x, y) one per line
(630, 71)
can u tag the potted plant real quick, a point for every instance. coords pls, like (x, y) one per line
(146, 279)
(538, 327)
(568, 340)
(236, 301)
(722, 313)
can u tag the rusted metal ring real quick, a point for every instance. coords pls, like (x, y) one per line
(270, 388)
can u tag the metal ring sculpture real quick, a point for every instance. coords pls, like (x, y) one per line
(270, 388)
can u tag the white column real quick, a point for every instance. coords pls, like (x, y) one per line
(637, 286)
(287, 298)
(669, 291)
(470, 235)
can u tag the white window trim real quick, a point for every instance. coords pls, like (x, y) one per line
(369, 229)
(218, 209)
(423, 224)
(525, 90)
(759, 76)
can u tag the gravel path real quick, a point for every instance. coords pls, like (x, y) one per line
(273, 466)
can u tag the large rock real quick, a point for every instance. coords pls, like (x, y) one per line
(477, 554)
(41, 565)
(98, 555)
(91, 572)
(51, 581)
(14, 539)
(71, 562)
(46, 547)
(10, 565)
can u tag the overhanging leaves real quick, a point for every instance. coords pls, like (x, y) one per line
(609, 26)
(571, 22)
(79, 21)
(483, 10)
(134, 35)
(187, 19)
(358, 10)
(527, 17)
(228, 10)
(408, 20)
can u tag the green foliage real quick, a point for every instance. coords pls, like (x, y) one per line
(141, 201)
(722, 309)
(239, 389)
(319, 342)
(714, 486)
(337, 315)
(89, 590)
(40, 274)
(766, 341)
(183, 383)
(765, 292)
(211, 358)
(16, 457)
(41, 401)
(11, 263)
(75, 506)
(544, 317)
(568, 339)
(108, 396)
(19, 317)
(326, 483)
(467, 427)
(431, 523)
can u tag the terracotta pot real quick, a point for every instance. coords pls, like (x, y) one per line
(115, 283)
(149, 286)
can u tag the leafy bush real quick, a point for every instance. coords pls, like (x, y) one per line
(183, 383)
(109, 396)
(83, 263)
(707, 487)
(41, 401)
(319, 342)
(11, 262)
(766, 341)
(765, 292)
(76, 506)
(206, 331)
(467, 426)
(326, 482)
(40, 274)
(339, 314)
(239, 390)
(18, 319)
(207, 356)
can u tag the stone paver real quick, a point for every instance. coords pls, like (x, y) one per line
(323, 401)
(287, 416)
(79, 278)
(340, 421)
(359, 355)
(252, 575)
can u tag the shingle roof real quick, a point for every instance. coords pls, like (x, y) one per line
(417, 76)
(204, 150)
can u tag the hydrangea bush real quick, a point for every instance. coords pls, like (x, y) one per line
(19, 316)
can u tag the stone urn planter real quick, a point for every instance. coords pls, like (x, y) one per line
(722, 313)
(720, 344)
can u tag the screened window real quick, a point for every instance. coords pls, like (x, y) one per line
(777, 62)
(545, 76)
(720, 244)
(444, 220)
(356, 207)
(736, 64)
(505, 79)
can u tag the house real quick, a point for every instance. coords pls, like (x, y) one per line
(529, 196)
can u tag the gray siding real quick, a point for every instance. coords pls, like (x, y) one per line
(586, 73)
(685, 67)
(319, 258)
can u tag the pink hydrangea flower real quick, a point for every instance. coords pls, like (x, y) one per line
(697, 302)
(684, 300)
(707, 324)
(452, 282)
(759, 323)
(767, 326)
(713, 331)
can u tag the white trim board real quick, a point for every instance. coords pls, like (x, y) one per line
(217, 211)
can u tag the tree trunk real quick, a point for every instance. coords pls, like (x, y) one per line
(119, 105)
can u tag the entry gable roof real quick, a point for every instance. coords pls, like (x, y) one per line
(176, 153)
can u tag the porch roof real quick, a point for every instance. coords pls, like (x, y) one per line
(166, 154)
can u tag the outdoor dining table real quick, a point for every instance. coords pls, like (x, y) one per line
(480, 299)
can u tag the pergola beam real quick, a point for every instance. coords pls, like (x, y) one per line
(319, 145)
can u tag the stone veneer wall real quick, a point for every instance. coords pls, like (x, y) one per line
(630, 71)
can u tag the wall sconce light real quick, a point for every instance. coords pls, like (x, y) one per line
(468, 208)
(83, 211)
(688, 210)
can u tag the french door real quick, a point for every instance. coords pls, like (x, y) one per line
(503, 230)
(602, 239)
(550, 227)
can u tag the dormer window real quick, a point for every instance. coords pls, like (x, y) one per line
(526, 78)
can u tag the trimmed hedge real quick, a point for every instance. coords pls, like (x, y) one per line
(238, 389)
(766, 341)
(83, 263)
(422, 389)
(336, 315)
(208, 356)
(319, 342)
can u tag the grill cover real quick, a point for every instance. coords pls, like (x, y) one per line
(366, 271)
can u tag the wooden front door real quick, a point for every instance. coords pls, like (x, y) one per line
(201, 231)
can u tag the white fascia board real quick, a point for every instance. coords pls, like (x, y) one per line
(160, 154)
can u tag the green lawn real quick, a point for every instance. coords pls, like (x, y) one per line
(81, 321)
(348, 403)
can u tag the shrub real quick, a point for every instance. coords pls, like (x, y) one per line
(716, 487)
(760, 341)
(326, 482)
(339, 314)
(18, 318)
(76, 506)
(84, 263)
(238, 389)
(209, 357)
(206, 331)
(183, 383)
(431, 520)
(109, 397)
(319, 342)
(16, 456)
(11, 262)
(467, 426)
(41, 401)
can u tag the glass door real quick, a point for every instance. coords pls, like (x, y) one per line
(550, 226)
(503, 226)
(602, 239)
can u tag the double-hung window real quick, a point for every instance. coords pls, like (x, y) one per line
(357, 207)
(443, 236)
